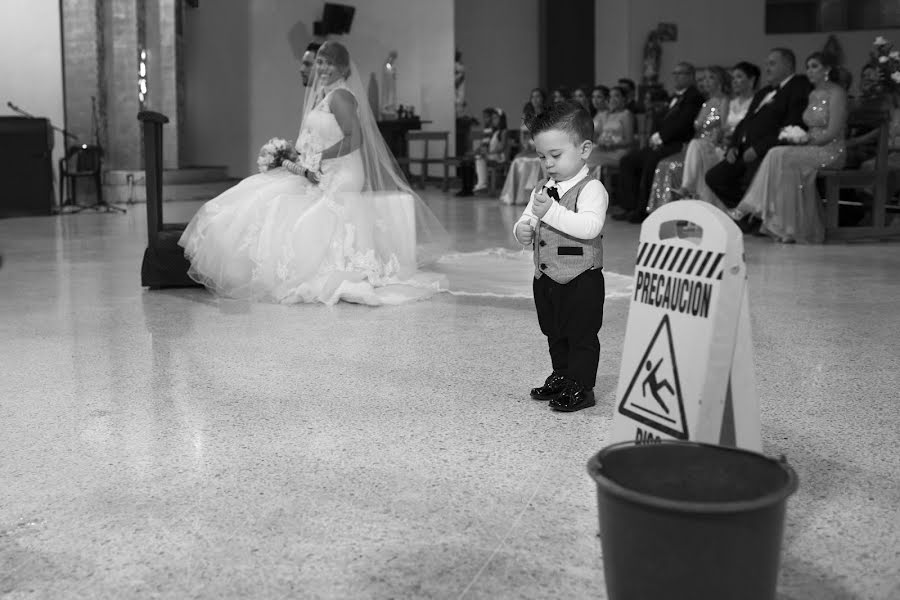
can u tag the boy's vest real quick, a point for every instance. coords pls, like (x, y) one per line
(562, 257)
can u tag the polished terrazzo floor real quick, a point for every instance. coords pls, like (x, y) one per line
(171, 445)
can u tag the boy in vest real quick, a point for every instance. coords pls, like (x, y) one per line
(562, 222)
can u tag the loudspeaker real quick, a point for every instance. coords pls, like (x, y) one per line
(26, 168)
(337, 18)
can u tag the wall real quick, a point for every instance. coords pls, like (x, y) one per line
(499, 43)
(241, 69)
(612, 44)
(216, 126)
(31, 71)
(723, 32)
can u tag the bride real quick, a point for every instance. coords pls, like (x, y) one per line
(340, 223)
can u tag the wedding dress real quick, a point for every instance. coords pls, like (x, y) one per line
(359, 235)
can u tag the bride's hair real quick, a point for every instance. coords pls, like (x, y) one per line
(337, 54)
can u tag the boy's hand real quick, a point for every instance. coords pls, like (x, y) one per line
(525, 232)
(541, 204)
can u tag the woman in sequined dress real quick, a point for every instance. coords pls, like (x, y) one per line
(708, 128)
(783, 192)
(703, 153)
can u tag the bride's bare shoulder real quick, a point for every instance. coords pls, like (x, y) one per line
(343, 96)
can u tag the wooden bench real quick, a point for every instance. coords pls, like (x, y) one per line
(881, 212)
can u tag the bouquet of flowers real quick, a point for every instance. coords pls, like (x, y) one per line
(887, 61)
(792, 134)
(609, 139)
(274, 152)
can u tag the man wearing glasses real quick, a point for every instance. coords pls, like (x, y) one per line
(676, 128)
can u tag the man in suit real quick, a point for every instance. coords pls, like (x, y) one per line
(779, 104)
(630, 92)
(307, 61)
(676, 128)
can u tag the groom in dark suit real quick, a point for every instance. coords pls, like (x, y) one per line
(676, 128)
(779, 104)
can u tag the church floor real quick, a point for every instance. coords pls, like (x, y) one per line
(170, 445)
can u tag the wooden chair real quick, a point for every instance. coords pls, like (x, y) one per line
(80, 161)
(441, 157)
(878, 180)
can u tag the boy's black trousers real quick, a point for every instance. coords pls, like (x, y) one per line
(570, 315)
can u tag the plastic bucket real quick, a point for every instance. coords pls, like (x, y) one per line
(690, 520)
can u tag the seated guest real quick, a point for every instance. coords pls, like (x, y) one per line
(708, 131)
(893, 140)
(560, 94)
(599, 102)
(676, 128)
(525, 169)
(869, 81)
(492, 147)
(536, 104)
(630, 88)
(780, 104)
(783, 193)
(703, 152)
(582, 97)
(613, 133)
(867, 113)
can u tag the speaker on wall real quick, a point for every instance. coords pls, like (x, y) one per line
(337, 18)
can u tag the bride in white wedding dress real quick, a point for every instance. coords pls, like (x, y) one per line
(339, 224)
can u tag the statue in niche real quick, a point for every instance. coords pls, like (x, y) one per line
(389, 85)
(652, 57)
(664, 32)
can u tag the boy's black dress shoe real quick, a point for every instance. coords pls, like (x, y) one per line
(575, 397)
(555, 385)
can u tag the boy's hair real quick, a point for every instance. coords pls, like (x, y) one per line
(568, 116)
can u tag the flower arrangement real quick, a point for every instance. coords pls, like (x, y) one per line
(792, 134)
(887, 60)
(274, 152)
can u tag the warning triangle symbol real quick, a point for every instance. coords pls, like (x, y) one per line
(654, 395)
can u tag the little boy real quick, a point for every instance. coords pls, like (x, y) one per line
(562, 222)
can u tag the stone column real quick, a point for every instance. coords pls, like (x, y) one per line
(122, 31)
(169, 84)
(83, 72)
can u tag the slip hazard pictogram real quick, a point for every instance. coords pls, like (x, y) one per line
(653, 396)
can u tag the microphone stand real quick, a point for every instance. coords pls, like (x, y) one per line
(31, 116)
(102, 205)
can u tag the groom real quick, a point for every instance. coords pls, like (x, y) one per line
(779, 104)
(307, 61)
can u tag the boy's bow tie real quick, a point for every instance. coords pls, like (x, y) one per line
(552, 192)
